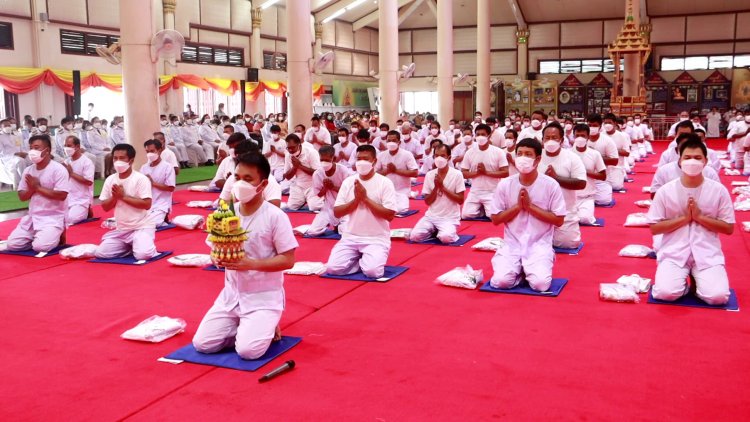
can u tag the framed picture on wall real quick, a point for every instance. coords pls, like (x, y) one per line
(692, 95)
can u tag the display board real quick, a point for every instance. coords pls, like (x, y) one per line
(518, 96)
(598, 95)
(571, 97)
(716, 89)
(684, 94)
(657, 94)
(544, 95)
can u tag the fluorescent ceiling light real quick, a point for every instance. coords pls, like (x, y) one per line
(335, 15)
(268, 4)
(355, 4)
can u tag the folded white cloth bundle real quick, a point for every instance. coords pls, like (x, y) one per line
(643, 203)
(301, 230)
(190, 260)
(637, 219)
(614, 292)
(490, 244)
(155, 329)
(400, 233)
(635, 251)
(188, 221)
(463, 277)
(82, 251)
(200, 204)
(198, 188)
(638, 283)
(307, 268)
(742, 203)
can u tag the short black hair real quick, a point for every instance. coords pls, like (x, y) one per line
(245, 147)
(65, 120)
(326, 150)
(490, 120)
(44, 138)
(554, 125)
(363, 134)
(236, 138)
(530, 143)
(158, 133)
(257, 160)
(394, 133)
(685, 125)
(447, 148)
(76, 141)
(485, 127)
(315, 118)
(343, 129)
(385, 127)
(540, 112)
(155, 142)
(294, 138)
(435, 122)
(610, 116)
(582, 127)
(368, 149)
(129, 150)
(275, 128)
(691, 140)
(699, 130)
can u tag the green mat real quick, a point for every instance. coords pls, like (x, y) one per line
(9, 200)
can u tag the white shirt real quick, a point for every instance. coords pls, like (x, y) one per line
(225, 168)
(79, 193)
(341, 173)
(162, 173)
(443, 207)
(169, 157)
(279, 145)
(137, 186)
(403, 160)
(270, 193)
(269, 233)
(526, 236)
(566, 164)
(671, 171)
(45, 212)
(605, 145)
(308, 157)
(9, 144)
(530, 132)
(493, 159)
(362, 225)
(350, 152)
(622, 141)
(189, 135)
(692, 240)
(321, 134)
(413, 146)
(593, 163)
(208, 135)
(117, 135)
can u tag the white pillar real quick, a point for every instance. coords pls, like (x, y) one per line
(318, 38)
(299, 53)
(632, 74)
(483, 56)
(256, 56)
(388, 60)
(139, 79)
(173, 98)
(522, 43)
(445, 60)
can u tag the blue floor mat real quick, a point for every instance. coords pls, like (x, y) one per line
(462, 240)
(32, 254)
(303, 210)
(165, 227)
(406, 213)
(213, 267)
(130, 259)
(483, 219)
(390, 273)
(88, 220)
(328, 234)
(569, 251)
(694, 302)
(523, 288)
(598, 223)
(228, 358)
(610, 205)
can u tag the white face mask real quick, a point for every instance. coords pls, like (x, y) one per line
(392, 146)
(78, 125)
(364, 167)
(326, 165)
(581, 142)
(434, 132)
(225, 136)
(406, 137)
(692, 167)
(441, 162)
(451, 127)
(231, 153)
(738, 118)
(69, 151)
(13, 126)
(682, 119)
(747, 118)
(594, 130)
(509, 142)
(152, 156)
(7, 129)
(609, 127)
(244, 192)
(164, 122)
(42, 128)
(482, 140)
(383, 133)
(637, 121)
(551, 146)
(536, 124)
(526, 124)
(373, 129)
(568, 127)
(629, 123)
(507, 123)
(98, 125)
(121, 166)
(240, 122)
(343, 139)
(524, 164)
(68, 126)
(35, 156)
(467, 139)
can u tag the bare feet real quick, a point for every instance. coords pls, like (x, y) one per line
(277, 334)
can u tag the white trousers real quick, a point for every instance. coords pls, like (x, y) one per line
(508, 270)
(25, 236)
(179, 151)
(603, 195)
(159, 217)
(76, 214)
(569, 234)
(349, 257)
(322, 221)
(251, 332)
(195, 154)
(402, 200)
(208, 150)
(11, 170)
(616, 177)
(442, 228)
(649, 147)
(299, 196)
(712, 284)
(746, 168)
(120, 243)
(477, 203)
(585, 207)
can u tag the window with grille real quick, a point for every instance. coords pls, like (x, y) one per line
(78, 42)
(274, 61)
(204, 54)
(6, 35)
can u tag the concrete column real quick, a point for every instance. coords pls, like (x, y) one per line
(445, 60)
(256, 57)
(522, 42)
(388, 60)
(173, 98)
(318, 38)
(632, 69)
(483, 56)
(139, 76)
(299, 53)
(40, 36)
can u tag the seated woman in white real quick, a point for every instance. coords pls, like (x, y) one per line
(691, 212)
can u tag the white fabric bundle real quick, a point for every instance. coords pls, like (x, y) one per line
(635, 251)
(198, 188)
(301, 230)
(400, 233)
(200, 204)
(84, 250)
(637, 219)
(740, 183)
(190, 260)
(742, 190)
(746, 226)
(643, 203)
(109, 224)
(413, 194)
(463, 277)
(155, 329)
(742, 203)
(188, 221)
(307, 268)
(490, 244)
(614, 292)
(728, 171)
(638, 283)
(646, 189)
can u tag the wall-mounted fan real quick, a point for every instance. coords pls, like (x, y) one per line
(407, 71)
(166, 44)
(460, 78)
(317, 66)
(374, 74)
(111, 53)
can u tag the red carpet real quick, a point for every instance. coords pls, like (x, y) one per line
(407, 349)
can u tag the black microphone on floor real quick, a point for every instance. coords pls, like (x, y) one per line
(287, 366)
